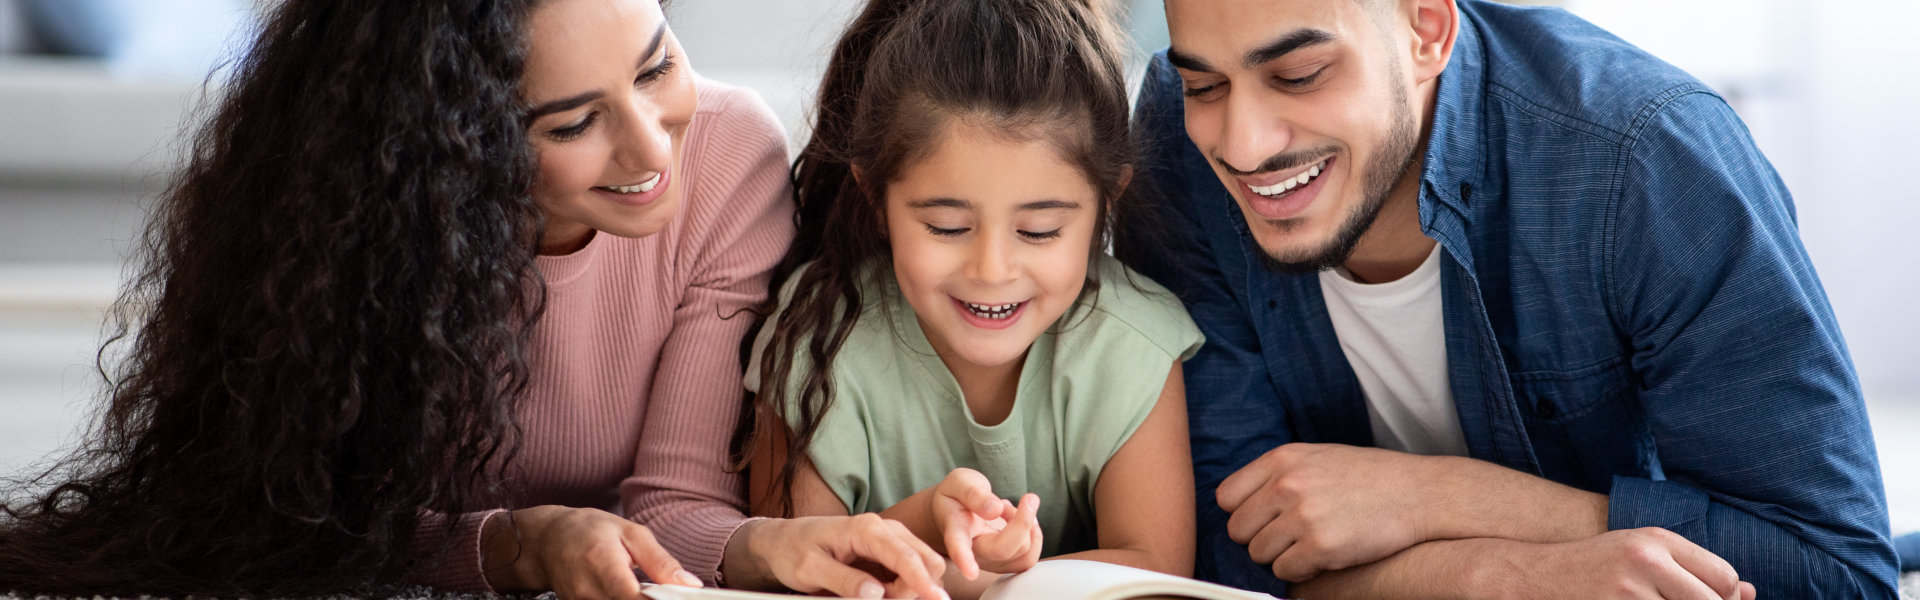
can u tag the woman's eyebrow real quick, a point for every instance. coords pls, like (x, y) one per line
(575, 101)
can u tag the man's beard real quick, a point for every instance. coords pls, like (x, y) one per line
(1386, 168)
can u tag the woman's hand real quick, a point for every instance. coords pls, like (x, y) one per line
(579, 553)
(862, 556)
(971, 519)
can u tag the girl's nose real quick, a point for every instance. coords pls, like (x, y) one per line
(991, 263)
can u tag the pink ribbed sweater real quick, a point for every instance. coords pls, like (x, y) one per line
(636, 378)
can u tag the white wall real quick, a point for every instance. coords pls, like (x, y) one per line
(1829, 92)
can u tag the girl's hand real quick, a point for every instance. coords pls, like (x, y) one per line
(964, 508)
(1016, 547)
(815, 554)
(576, 552)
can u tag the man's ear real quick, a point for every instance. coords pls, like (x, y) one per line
(1434, 25)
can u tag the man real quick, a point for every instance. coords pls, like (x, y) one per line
(1496, 304)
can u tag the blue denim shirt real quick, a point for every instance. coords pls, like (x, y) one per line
(1627, 306)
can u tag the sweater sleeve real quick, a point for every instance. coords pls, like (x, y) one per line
(740, 224)
(448, 558)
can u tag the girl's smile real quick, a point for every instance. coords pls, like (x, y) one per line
(990, 316)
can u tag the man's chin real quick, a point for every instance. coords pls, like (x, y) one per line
(1293, 247)
(1303, 263)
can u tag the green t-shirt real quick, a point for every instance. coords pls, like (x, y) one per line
(898, 423)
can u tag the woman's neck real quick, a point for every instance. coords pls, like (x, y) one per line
(563, 239)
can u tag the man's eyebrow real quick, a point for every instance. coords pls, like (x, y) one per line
(575, 101)
(1188, 61)
(1286, 43)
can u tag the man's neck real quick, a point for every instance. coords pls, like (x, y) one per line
(1394, 245)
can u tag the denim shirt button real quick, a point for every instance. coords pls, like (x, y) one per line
(1544, 409)
(1466, 190)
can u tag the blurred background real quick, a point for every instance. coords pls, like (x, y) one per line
(95, 99)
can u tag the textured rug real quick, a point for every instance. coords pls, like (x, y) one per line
(1909, 590)
(380, 593)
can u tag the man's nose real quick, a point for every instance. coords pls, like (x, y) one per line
(1252, 132)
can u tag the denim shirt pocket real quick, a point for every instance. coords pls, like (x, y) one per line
(1578, 420)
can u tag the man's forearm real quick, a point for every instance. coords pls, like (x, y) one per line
(1478, 499)
(1438, 569)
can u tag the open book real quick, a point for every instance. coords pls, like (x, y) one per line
(1049, 580)
(1092, 580)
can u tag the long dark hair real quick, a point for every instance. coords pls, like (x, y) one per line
(1048, 70)
(326, 335)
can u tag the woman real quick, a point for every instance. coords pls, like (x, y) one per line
(431, 261)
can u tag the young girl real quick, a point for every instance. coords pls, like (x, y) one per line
(955, 334)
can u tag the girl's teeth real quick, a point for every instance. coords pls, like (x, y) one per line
(997, 311)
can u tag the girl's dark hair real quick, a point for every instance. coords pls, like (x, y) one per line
(1045, 70)
(327, 332)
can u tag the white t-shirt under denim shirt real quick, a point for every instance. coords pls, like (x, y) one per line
(1394, 337)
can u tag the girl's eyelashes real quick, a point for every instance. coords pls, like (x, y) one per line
(573, 132)
(1031, 236)
(946, 233)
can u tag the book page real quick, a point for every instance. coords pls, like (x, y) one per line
(1092, 580)
(681, 592)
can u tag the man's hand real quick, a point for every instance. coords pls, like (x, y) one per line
(1630, 563)
(1627, 564)
(1308, 508)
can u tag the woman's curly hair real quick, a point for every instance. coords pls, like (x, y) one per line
(326, 337)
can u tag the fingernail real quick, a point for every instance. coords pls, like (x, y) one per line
(688, 579)
(872, 590)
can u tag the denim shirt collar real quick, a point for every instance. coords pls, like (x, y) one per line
(1454, 167)
(1453, 173)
